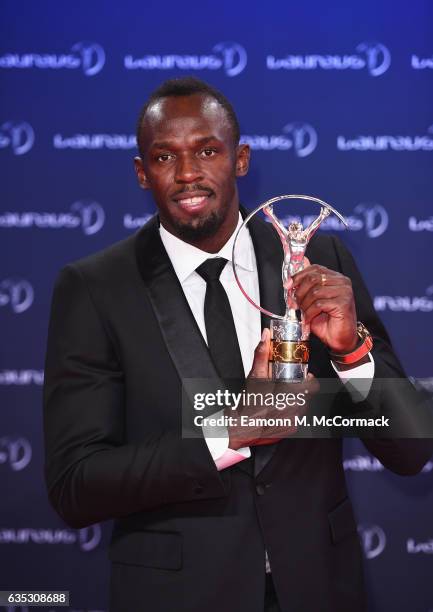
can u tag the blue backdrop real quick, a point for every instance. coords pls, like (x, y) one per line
(335, 101)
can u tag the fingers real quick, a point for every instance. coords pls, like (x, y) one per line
(318, 293)
(331, 307)
(315, 277)
(318, 289)
(261, 357)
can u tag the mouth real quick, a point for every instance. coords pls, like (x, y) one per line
(193, 202)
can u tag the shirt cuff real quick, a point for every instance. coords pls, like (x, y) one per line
(358, 380)
(217, 440)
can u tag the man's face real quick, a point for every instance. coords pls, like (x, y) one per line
(190, 162)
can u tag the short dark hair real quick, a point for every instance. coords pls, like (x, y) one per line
(187, 86)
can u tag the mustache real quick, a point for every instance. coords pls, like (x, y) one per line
(192, 188)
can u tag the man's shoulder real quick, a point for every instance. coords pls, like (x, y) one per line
(115, 262)
(115, 254)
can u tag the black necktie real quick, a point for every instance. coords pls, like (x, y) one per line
(220, 330)
(220, 327)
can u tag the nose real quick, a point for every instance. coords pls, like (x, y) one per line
(188, 169)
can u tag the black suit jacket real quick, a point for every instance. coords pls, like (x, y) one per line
(187, 537)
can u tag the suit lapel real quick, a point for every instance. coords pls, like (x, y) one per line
(179, 329)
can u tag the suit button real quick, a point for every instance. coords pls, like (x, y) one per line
(198, 490)
(260, 489)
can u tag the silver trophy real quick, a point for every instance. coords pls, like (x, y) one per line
(288, 359)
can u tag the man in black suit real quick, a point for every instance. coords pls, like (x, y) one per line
(199, 523)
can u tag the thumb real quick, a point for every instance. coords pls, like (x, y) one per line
(261, 356)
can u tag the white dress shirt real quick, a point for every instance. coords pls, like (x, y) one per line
(185, 258)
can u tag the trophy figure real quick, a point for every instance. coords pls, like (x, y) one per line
(289, 354)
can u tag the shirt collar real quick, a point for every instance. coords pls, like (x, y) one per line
(185, 258)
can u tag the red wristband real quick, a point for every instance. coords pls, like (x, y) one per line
(360, 351)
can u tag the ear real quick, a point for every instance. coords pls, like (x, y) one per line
(141, 175)
(242, 159)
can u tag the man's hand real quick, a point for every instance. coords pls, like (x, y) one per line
(326, 299)
(295, 403)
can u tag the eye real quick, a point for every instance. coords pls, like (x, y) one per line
(208, 152)
(164, 157)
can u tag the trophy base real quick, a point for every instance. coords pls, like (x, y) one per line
(289, 372)
(289, 353)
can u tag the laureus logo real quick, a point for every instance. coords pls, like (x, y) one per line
(299, 137)
(89, 537)
(92, 57)
(15, 452)
(387, 142)
(85, 214)
(420, 225)
(405, 303)
(375, 218)
(304, 138)
(234, 57)
(377, 56)
(21, 378)
(373, 540)
(414, 547)
(371, 56)
(18, 136)
(18, 294)
(92, 215)
(89, 56)
(421, 63)
(230, 57)
(131, 222)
